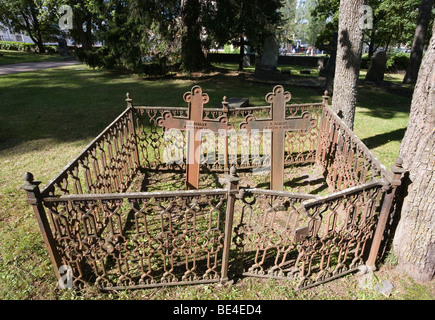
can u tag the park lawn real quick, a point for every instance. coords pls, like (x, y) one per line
(292, 68)
(48, 117)
(10, 56)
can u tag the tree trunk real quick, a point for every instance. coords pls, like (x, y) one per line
(330, 67)
(36, 38)
(348, 63)
(242, 51)
(424, 13)
(192, 55)
(39, 42)
(372, 37)
(414, 240)
(84, 37)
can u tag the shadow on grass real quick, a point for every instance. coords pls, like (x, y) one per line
(382, 104)
(383, 138)
(76, 103)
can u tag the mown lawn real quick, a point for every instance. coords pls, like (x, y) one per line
(10, 56)
(48, 117)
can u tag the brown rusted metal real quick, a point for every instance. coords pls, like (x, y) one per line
(231, 181)
(278, 124)
(116, 237)
(390, 191)
(35, 200)
(298, 148)
(106, 165)
(192, 124)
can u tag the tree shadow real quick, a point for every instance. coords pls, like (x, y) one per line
(394, 218)
(381, 104)
(383, 138)
(351, 59)
(382, 101)
(67, 105)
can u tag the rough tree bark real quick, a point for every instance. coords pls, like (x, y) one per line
(424, 13)
(414, 240)
(192, 56)
(348, 61)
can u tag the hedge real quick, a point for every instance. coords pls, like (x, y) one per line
(26, 47)
(395, 61)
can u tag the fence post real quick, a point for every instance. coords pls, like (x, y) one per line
(132, 129)
(325, 98)
(322, 133)
(34, 198)
(390, 191)
(226, 111)
(232, 181)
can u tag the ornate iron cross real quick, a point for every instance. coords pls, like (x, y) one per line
(192, 124)
(278, 124)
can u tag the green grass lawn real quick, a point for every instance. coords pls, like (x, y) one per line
(9, 56)
(293, 69)
(47, 117)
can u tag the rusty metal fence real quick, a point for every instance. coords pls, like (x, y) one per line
(151, 142)
(114, 237)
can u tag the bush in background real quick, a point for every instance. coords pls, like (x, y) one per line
(365, 61)
(27, 47)
(397, 62)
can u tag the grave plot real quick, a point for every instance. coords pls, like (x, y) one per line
(187, 195)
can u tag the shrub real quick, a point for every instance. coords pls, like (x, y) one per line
(397, 61)
(17, 46)
(27, 47)
(51, 49)
(365, 61)
(152, 69)
(91, 57)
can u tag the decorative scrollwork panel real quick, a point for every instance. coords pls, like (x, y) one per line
(141, 242)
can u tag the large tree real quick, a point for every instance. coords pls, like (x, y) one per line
(192, 55)
(414, 241)
(234, 20)
(34, 17)
(287, 27)
(84, 22)
(348, 61)
(393, 22)
(130, 31)
(424, 17)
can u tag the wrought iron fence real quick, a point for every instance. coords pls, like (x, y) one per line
(106, 165)
(225, 152)
(117, 238)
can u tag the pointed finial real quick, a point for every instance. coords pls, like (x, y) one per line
(128, 100)
(225, 104)
(233, 171)
(28, 177)
(397, 170)
(325, 97)
(30, 184)
(398, 162)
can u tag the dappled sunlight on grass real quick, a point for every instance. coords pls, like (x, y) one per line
(48, 117)
(10, 56)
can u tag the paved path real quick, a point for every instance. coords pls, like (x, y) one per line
(32, 66)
